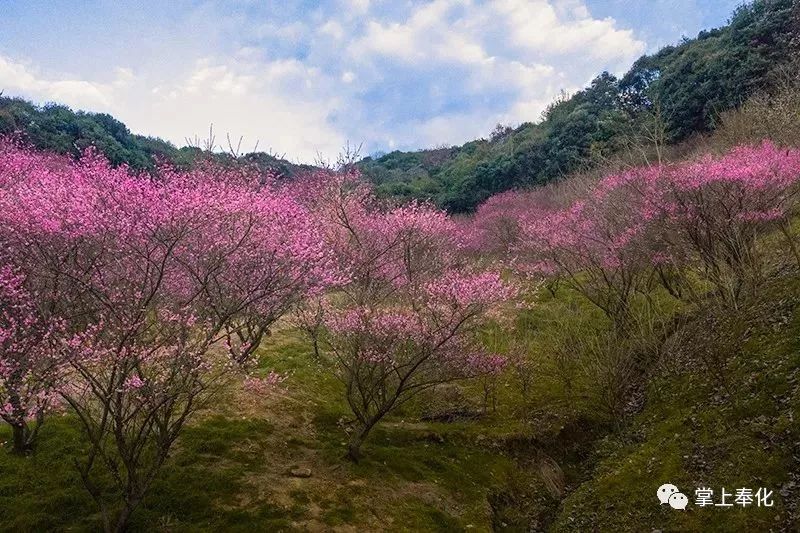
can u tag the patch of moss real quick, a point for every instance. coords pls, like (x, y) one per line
(731, 429)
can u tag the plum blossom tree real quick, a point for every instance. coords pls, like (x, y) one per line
(662, 222)
(29, 361)
(386, 354)
(595, 244)
(496, 228)
(256, 255)
(148, 276)
(712, 212)
(406, 317)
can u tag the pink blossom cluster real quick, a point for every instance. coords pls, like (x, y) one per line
(371, 238)
(708, 210)
(140, 274)
(495, 228)
(486, 364)
(462, 290)
(408, 301)
(387, 323)
(29, 363)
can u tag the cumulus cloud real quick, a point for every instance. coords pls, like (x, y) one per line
(543, 28)
(504, 60)
(282, 104)
(20, 78)
(403, 75)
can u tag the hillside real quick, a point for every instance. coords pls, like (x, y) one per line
(240, 466)
(595, 311)
(59, 129)
(667, 98)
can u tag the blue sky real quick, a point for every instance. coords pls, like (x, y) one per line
(303, 78)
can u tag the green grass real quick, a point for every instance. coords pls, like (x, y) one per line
(734, 427)
(230, 468)
(734, 424)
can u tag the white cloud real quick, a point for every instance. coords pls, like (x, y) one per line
(452, 129)
(543, 27)
(333, 29)
(425, 35)
(282, 104)
(290, 32)
(528, 50)
(458, 30)
(389, 74)
(19, 78)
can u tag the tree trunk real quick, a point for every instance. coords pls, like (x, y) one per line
(356, 440)
(354, 447)
(123, 519)
(20, 435)
(316, 347)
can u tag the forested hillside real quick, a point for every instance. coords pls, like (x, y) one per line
(666, 97)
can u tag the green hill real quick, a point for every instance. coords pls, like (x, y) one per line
(58, 128)
(667, 97)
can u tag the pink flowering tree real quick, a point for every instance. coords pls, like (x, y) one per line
(255, 254)
(406, 317)
(386, 354)
(29, 361)
(499, 231)
(597, 244)
(149, 277)
(675, 224)
(496, 228)
(712, 211)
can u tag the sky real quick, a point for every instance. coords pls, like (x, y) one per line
(304, 78)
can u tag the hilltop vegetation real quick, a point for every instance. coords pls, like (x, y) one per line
(59, 129)
(668, 97)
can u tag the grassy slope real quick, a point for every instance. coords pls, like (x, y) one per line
(724, 413)
(231, 469)
(733, 426)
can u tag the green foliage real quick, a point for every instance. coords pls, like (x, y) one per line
(687, 86)
(718, 70)
(59, 129)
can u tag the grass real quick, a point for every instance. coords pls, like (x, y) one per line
(231, 468)
(731, 425)
(736, 427)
